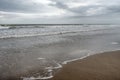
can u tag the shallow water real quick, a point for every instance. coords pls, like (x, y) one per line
(40, 56)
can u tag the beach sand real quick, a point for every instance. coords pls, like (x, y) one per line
(105, 66)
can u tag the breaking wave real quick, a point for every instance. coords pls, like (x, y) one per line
(25, 31)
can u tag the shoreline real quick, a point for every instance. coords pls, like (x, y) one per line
(103, 66)
(80, 65)
(70, 64)
(51, 69)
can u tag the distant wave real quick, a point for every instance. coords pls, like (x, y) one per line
(41, 34)
(26, 31)
(18, 27)
(1, 27)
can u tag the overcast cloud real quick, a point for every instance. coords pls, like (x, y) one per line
(59, 11)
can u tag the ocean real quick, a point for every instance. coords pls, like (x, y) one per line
(32, 52)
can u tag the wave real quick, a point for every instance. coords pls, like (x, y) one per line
(1, 27)
(18, 27)
(41, 34)
(26, 31)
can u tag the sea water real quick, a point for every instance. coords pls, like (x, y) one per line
(38, 51)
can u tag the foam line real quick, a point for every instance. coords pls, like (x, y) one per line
(49, 70)
(114, 43)
(4, 27)
(65, 62)
(38, 78)
(40, 58)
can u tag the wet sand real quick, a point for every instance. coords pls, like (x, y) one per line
(105, 66)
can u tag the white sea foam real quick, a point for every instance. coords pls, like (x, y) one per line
(114, 43)
(40, 58)
(24, 31)
(1, 27)
(58, 66)
(49, 70)
(65, 62)
(38, 78)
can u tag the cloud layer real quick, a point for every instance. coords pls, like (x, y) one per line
(59, 11)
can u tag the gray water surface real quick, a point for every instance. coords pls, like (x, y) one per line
(30, 56)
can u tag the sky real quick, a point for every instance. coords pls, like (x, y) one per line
(59, 11)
